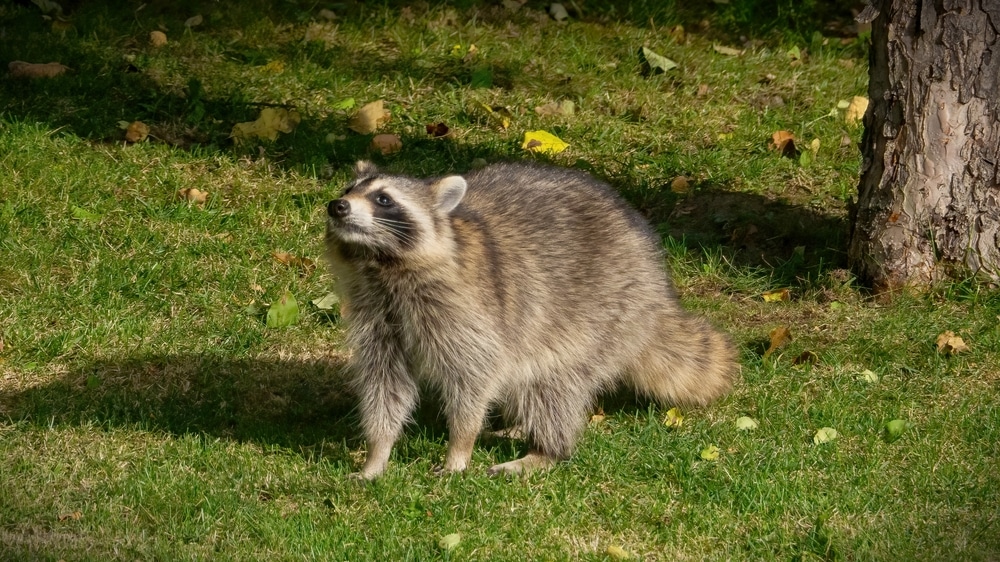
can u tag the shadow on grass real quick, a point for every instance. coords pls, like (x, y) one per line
(295, 404)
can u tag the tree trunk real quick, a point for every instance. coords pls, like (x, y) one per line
(929, 198)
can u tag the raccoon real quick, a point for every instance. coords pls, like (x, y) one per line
(519, 286)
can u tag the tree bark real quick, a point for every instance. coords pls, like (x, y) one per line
(929, 197)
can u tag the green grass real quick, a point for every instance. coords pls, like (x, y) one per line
(140, 387)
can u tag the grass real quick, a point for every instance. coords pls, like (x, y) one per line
(147, 412)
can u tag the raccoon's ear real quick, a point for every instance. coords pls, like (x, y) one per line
(448, 192)
(364, 169)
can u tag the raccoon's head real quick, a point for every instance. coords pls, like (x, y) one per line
(392, 216)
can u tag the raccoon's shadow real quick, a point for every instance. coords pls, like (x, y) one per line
(299, 404)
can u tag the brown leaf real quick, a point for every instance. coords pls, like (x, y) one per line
(75, 516)
(680, 185)
(137, 131)
(306, 265)
(438, 130)
(806, 357)
(157, 38)
(369, 118)
(728, 51)
(950, 344)
(193, 195)
(780, 336)
(702, 90)
(784, 142)
(21, 69)
(387, 143)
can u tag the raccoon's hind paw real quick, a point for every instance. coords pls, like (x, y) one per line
(532, 461)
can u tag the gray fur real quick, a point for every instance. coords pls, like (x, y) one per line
(532, 288)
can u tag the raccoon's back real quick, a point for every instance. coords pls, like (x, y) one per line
(563, 254)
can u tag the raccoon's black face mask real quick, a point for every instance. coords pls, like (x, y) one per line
(391, 215)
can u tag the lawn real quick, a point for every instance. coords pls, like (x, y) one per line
(148, 411)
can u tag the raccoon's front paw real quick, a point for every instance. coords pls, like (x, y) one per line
(444, 470)
(360, 476)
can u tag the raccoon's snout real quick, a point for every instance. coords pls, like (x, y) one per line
(338, 208)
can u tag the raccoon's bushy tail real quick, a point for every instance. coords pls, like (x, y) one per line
(686, 362)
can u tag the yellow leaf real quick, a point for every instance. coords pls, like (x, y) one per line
(618, 553)
(674, 418)
(271, 122)
(370, 117)
(543, 141)
(710, 453)
(497, 114)
(856, 110)
(776, 295)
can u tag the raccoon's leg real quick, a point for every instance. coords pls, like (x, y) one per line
(687, 361)
(466, 411)
(388, 396)
(552, 415)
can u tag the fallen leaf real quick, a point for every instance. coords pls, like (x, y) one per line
(450, 541)
(680, 185)
(950, 344)
(856, 110)
(193, 195)
(784, 142)
(137, 131)
(81, 214)
(710, 453)
(438, 130)
(806, 358)
(843, 104)
(305, 264)
(780, 336)
(824, 435)
(702, 90)
(327, 14)
(276, 66)
(869, 377)
(746, 423)
(894, 429)
(344, 104)
(328, 301)
(370, 117)
(674, 417)
(283, 313)
(618, 553)
(676, 33)
(157, 38)
(75, 516)
(653, 63)
(565, 108)
(794, 53)
(21, 69)
(513, 5)
(728, 51)
(777, 295)
(598, 417)
(193, 21)
(267, 126)
(814, 146)
(497, 114)
(543, 141)
(558, 12)
(387, 143)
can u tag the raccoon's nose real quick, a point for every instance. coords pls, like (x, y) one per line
(338, 208)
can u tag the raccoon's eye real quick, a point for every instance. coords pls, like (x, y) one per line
(383, 200)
